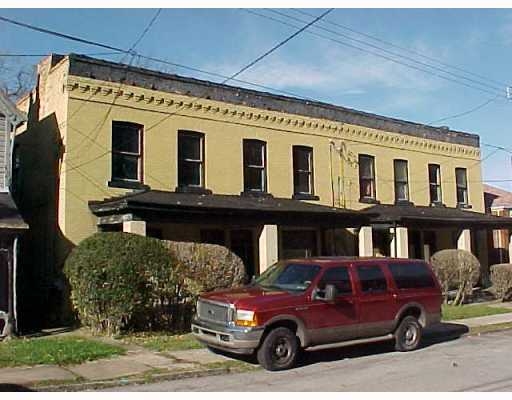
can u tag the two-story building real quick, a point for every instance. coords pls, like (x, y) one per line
(11, 223)
(110, 147)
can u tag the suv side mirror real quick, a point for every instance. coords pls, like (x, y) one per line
(330, 292)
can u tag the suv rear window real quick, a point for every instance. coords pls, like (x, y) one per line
(411, 275)
(372, 279)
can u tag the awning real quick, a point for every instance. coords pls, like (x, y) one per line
(167, 206)
(436, 216)
(9, 216)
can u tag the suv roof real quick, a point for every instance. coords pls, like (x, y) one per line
(335, 259)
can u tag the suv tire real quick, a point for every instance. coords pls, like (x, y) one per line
(408, 334)
(279, 350)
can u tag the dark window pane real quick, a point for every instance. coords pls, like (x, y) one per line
(189, 174)
(253, 179)
(301, 159)
(460, 174)
(338, 277)
(433, 173)
(372, 279)
(401, 170)
(366, 188)
(413, 275)
(213, 236)
(125, 137)
(253, 153)
(366, 167)
(125, 166)
(366, 176)
(189, 147)
(302, 182)
(402, 191)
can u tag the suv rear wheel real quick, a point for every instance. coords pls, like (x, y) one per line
(279, 350)
(408, 334)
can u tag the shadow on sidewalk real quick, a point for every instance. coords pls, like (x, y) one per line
(11, 387)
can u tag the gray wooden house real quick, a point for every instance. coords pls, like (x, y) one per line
(11, 223)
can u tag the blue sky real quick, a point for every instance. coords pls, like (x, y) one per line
(223, 40)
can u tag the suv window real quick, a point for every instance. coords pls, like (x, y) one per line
(411, 275)
(339, 277)
(372, 279)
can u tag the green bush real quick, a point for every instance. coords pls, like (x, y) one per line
(501, 278)
(206, 267)
(457, 270)
(116, 278)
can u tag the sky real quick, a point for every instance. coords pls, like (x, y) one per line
(478, 41)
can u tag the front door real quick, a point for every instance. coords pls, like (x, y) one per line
(331, 322)
(242, 245)
(376, 302)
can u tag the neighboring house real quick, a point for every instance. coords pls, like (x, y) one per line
(11, 223)
(498, 202)
(109, 147)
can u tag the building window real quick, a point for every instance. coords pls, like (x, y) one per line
(401, 181)
(255, 175)
(434, 181)
(303, 170)
(461, 180)
(126, 151)
(367, 177)
(190, 159)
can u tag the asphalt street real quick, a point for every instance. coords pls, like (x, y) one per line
(468, 363)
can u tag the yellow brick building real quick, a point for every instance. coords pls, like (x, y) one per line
(112, 147)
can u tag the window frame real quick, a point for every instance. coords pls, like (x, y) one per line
(262, 168)
(396, 162)
(435, 185)
(310, 172)
(372, 180)
(200, 162)
(139, 154)
(463, 187)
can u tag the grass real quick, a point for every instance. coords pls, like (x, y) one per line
(162, 341)
(60, 351)
(490, 328)
(471, 310)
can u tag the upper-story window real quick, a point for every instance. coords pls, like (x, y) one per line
(303, 170)
(367, 177)
(255, 165)
(126, 151)
(434, 181)
(190, 159)
(461, 180)
(401, 181)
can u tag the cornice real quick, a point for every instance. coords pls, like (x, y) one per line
(105, 91)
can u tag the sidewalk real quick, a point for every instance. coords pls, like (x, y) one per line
(140, 365)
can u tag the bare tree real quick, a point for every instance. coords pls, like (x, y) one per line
(16, 79)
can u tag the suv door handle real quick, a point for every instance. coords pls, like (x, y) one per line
(395, 296)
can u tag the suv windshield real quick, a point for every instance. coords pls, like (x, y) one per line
(288, 276)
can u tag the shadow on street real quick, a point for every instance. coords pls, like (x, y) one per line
(11, 387)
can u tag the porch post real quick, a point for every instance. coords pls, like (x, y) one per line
(510, 246)
(365, 241)
(268, 246)
(400, 242)
(464, 240)
(483, 255)
(137, 227)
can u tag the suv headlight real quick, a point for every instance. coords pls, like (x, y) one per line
(246, 318)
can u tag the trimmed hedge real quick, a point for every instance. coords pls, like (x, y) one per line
(121, 281)
(457, 270)
(501, 278)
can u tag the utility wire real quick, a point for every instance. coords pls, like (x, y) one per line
(109, 53)
(472, 110)
(406, 49)
(374, 53)
(146, 30)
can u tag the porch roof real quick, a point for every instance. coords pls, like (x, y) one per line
(438, 216)
(174, 206)
(9, 215)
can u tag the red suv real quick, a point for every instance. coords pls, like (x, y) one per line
(318, 303)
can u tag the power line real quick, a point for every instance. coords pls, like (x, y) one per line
(472, 110)
(406, 49)
(146, 30)
(108, 53)
(375, 54)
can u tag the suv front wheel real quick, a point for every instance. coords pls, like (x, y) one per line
(279, 350)
(408, 334)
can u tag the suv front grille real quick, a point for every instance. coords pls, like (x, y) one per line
(213, 312)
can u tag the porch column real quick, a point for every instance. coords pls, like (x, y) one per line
(365, 241)
(268, 246)
(137, 227)
(483, 255)
(400, 242)
(464, 240)
(510, 246)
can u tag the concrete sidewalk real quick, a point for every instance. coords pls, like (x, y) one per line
(140, 364)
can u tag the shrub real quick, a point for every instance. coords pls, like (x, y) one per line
(116, 279)
(456, 270)
(501, 278)
(206, 267)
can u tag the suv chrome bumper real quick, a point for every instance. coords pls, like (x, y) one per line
(238, 340)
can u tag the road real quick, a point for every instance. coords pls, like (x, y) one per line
(469, 363)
